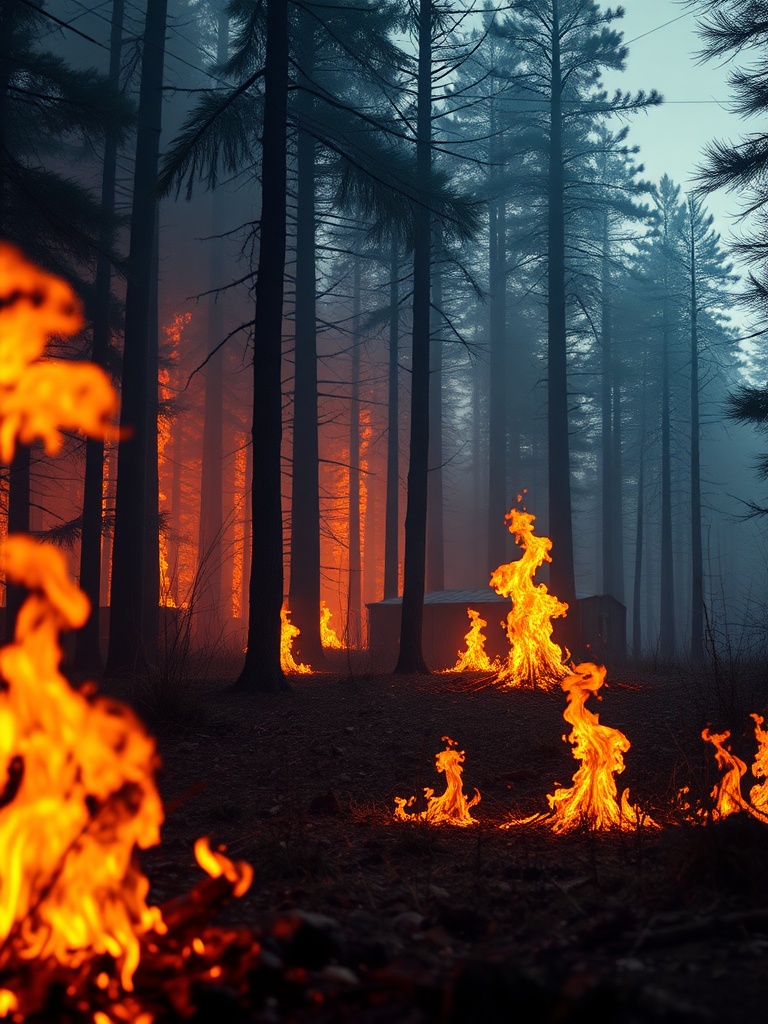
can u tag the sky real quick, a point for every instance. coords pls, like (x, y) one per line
(662, 41)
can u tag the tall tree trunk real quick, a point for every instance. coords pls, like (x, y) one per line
(262, 670)
(392, 514)
(125, 632)
(210, 548)
(667, 580)
(87, 655)
(637, 639)
(304, 593)
(561, 571)
(150, 625)
(435, 533)
(354, 589)
(618, 483)
(606, 450)
(697, 560)
(498, 498)
(411, 658)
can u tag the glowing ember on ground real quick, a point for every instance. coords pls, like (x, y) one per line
(328, 636)
(591, 801)
(288, 633)
(533, 659)
(475, 658)
(452, 808)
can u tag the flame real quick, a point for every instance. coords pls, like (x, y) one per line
(79, 796)
(214, 863)
(86, 795)
(452, 808)
(288, 633)
(727, 792)
(758, 795)
(474, 658)
(534, 659)
(328, 635)
(591, 800)
(43, 398)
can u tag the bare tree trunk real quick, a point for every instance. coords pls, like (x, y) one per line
(262, 669)
(498, 498)
(87, 655)
(354, 591)
(411, 658)
(667, 589)
(304, 593)
(435, 533)
(606, 394)
(561, 571)
(126, 637)
(697, 560)
(392, 515)
(151, 614)
(618, 485)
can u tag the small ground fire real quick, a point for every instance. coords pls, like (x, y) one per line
(453, 806)
(475, 658)
(288, 633)
(533, 659)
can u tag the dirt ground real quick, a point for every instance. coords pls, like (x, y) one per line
(408, 923)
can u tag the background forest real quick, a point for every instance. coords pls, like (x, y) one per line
(348, 260)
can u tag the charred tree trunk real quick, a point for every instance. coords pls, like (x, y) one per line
(262, 669)
(697, 560)
(151, 591)
(561, 571)
(435, 533)
(126, 637)
(304, 593)
(87, 655)
(210, 553)
(392, 515)
(354, 590)
(411, 658)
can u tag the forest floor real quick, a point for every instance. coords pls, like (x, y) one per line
(408, 923)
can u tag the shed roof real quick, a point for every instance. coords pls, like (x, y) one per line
(483, 595)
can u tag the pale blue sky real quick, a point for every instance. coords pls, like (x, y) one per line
(696, 107)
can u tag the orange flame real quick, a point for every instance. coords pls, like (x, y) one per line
(727, 792)
(328, 636)
(474, 658)
(288, 633)
(534, 659)
(215, 864)
(591, 800)
(86, 795)
(758, 795)
(79, 795)
(452, 808)
(42, 398)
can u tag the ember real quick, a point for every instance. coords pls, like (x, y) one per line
(591, 800)
(452, 808)
(534, 659)
(288, 633)
(328, 636)
(475, 658)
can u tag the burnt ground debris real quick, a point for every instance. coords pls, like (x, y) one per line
(365, 919)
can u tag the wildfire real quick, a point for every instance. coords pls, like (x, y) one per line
(328, 636)
(533, 659)
(453, 807)
(79, 795)
(591, 801)
(474, 658)
(288, 633)
(758, 795)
